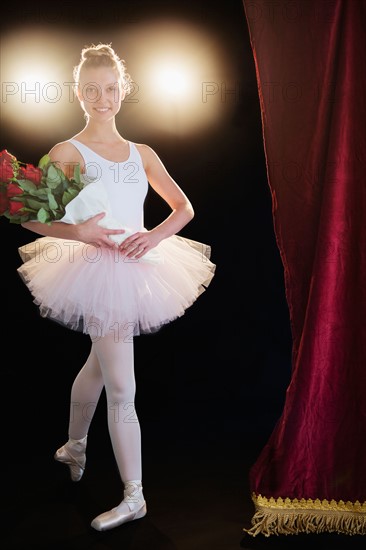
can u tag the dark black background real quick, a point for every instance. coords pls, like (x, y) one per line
(217, 375)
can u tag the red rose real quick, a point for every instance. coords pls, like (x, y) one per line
(13, 190)
(4, 202)
(14, 207)
(5, 155)
(6, 166)
(31, 173)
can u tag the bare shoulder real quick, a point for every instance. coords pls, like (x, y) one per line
(148, 155)
(64, 151)
(66, 155)
(144, 149)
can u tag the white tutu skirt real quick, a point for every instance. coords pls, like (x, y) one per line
(96, 290)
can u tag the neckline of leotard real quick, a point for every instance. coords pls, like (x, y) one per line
(103, 158)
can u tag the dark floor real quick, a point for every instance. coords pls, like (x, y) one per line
(196, 491)
(208, 396)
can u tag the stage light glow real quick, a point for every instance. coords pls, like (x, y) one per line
(175, 68)
(36, 90)
(173, 81)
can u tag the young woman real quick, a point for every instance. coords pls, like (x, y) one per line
(113, 284)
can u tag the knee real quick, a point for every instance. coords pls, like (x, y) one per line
(121, 394)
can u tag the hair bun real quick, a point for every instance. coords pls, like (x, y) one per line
(97, 51)
(103, 55)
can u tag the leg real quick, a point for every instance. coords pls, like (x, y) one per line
(85, 394)
(116, 360)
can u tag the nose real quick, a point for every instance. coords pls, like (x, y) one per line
(94, 93)
(101, 95)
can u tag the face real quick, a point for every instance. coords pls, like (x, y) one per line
(100, 92)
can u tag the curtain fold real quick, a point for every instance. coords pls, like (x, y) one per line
(311, 75)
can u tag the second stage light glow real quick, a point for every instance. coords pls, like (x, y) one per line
(173, 81)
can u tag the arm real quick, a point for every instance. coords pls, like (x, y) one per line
(161, 181)
(66, 157)
(59, 230)
(182, 209)
(87, 232)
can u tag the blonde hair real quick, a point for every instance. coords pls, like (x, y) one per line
(102, 55)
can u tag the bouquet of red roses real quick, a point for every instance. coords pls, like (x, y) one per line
(39, 193)
(45, 194)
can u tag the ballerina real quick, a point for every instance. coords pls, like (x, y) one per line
(112, 282)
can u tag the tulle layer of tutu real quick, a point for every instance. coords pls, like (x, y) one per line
(96, 290)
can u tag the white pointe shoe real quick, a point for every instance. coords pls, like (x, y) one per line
(73, 454)
(136, 503)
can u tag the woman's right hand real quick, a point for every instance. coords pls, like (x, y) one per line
(91, 232)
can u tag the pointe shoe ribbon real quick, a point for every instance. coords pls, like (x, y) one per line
(76, 464)
(113, 518)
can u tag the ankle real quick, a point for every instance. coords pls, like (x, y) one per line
(133, 490)
(82, 440)
(76, 445)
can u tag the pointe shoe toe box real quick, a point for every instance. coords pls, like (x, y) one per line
(112, 518)
(76, 466)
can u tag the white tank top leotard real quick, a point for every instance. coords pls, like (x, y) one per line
(125, 182)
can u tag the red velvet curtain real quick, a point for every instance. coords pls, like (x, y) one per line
(311, 75)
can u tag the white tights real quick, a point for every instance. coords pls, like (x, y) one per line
(111, 365)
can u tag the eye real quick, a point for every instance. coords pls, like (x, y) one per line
(91, 91)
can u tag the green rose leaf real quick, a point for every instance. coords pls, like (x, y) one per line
(52, 202)
(69, 195)
(53, 177)
(42, 215)
(27, 185)
(33, 203)
(31, 210)
(40, 193)
(44, 161)
(77, 174)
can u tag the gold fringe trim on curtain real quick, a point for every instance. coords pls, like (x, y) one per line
(283, 516)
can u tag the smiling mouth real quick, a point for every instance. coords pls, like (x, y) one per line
(102, 109)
